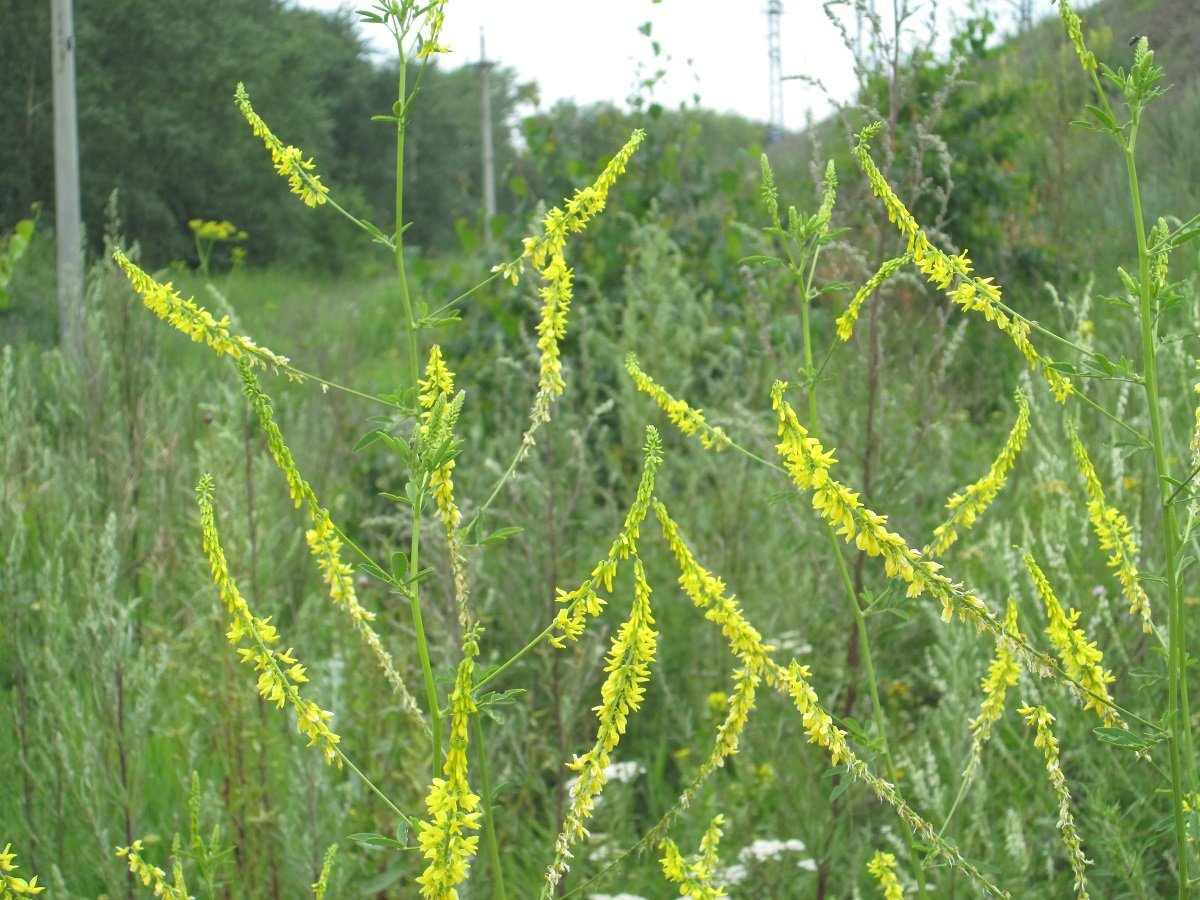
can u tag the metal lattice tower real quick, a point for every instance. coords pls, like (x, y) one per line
(775, 60)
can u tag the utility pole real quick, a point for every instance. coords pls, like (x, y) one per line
(68, 220)
(489, 153)
(775, 60)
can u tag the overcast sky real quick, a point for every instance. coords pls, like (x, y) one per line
(591, 50)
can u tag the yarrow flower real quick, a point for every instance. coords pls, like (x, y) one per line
(695, 877)
(546, 255)
(280, 674)
(628, 670)
(194, 320)
(12, 885)
(585, 602)
(1115, 535)
(289, 161)
(152, 876)
(325, 545)
(688, 420)
(453, 808)
(1080, 657)
(883, 867)
(1040, 718)
(967, 506)
(943, 270)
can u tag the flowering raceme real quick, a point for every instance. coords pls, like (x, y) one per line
(695, 878)
(289, 161)
(688, 420)
(12, 885)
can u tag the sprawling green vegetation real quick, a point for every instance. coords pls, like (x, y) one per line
(128, 716)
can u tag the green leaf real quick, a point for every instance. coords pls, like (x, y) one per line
(368, 439)
(500, 534)
(760, 258)
(375, 840)
(1103, 117)
(372, 569)
(399, 566)
(1119, 737)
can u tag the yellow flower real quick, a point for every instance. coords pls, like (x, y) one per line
(688, 420)
(845, 322)
(13, 885)
(153, 876)
(289, 161)
(1075, 33)
(883, 867)
(193, 320)
(546, 254)
(695, 878)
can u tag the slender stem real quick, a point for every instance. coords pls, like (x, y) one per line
(407, 820)
(435, 717)
(1177, 706)
(410, 325)
(489, 814)
(308, 376)
(495, 673)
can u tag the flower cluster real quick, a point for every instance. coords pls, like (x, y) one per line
(628, 668)
(1080, 658)
(321, 885)
(1115, 535)
(695, 878)
(289, 161)
(1075, 33)
(280, 674)
(546, 254)
(1040, 718)
(153, 876)
(216, 231)
(688, 420)
(845, 322)
(194, 320)
(585, 602)
(1003, 672)
(434, 21)
(943, 270)
(453, 809)
(883, 867)
(14, 885)
(967, 506)
(325, 545)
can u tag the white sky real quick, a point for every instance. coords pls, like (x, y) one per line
(590, 51)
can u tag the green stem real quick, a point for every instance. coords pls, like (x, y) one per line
(407, 820)
(435, 717)
(489, 815)
(1177, 709)
(495, 673)
(308, 376)
(410, 325)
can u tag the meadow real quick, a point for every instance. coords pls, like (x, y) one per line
(712, 524)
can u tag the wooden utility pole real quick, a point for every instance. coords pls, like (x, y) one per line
(68, 220)
(489, 153)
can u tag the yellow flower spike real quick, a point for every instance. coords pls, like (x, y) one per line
(274, 683)
(1115, 535)
(942, 270)
(708, 593)
(1040, 718)
(289, 161)
(546, 255)
(584, 602)
(883, 867)
(845, 322)
(326, 546)
(14, 885)
(1075, 32)
(150, 876)
(194, 320)
(969, 505)
(628, 670)
(695, 878)
(688, 420)
(1003, 672)
(322, 883)
(453, 809)
(1081, 659)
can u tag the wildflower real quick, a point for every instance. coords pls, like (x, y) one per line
(279, 672)
(152, 876)
(194, 320)
(695, 878)
(584, 602)
(546, 255)
(883, 867)
(13, 885)
(845, 322)
(628, 668)
(1080, 658)
(1003, 673)
(1075, 33)
(1040, 718)
(943, 270)
(453, 809)
(689, 421)
(321, 885)
(1115, 535)
(967, 506)
(325, 545)
(289, 161)
(763, 849)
